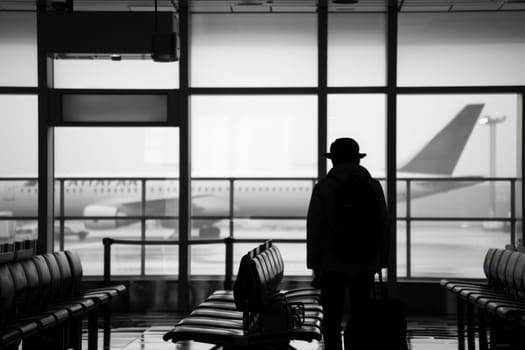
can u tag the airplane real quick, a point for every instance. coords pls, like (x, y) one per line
(97, 199)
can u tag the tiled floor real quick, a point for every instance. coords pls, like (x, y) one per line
(144, 332)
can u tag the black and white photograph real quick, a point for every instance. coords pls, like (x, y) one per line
(262, 174)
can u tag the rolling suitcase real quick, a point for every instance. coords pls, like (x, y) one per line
(382, 326)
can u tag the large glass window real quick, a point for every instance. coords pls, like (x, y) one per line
(19, 167)
(263, 149)
(362, 117)
(18, 63)
(461, 48)
(357, 49)
(457, 177)
(253, 50)
(122, 183)
(256, 136)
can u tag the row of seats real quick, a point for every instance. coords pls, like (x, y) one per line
(499, 302)
(42, 303)
(226, 317)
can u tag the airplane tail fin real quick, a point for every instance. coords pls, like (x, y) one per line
(442, 153)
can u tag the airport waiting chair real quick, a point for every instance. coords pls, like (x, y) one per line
(225, 317)
(41, 303)
(500, 300)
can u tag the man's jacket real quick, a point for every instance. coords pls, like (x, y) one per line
(320, 250)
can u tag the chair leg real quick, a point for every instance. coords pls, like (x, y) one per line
(482, 330)
(75, 334)
(470, 327)
(516, 343)
(93, 330)
(107, 326)
(493, 326)
(461, 323)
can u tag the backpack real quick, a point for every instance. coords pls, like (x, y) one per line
(357, 231)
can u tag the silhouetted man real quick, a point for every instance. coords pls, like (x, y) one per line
(346, 236)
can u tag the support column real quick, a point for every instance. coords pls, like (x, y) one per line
(185, 162)
(45, 143)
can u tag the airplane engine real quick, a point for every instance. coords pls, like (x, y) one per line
(101, 212)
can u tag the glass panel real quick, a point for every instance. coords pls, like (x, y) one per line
(401, 252)
(210, 198)
(18, 134)
(102, 197)
(401, 194)
(18, 198)
(452, 249)
(118, 152)
(209, 228)
(461, 48)
(26, 230)
(8, 230)
(208, 259)
(162, 260)
(462, 142)
(73, 230)
(270, 229)
(162, 230)
(458, 135)
(125, 260)
(162, 198)
(18, 62)
(127, 154)
(254, 50)
(108, 74)
(362, 117)
(114, 108)
(470, 198)
(262, 136)
(357, 49)
(275, 198)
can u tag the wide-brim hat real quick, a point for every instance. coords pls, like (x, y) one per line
(344, 148)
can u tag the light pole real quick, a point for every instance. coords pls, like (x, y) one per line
(492, 122)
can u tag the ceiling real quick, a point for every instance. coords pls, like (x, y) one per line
(266, 6)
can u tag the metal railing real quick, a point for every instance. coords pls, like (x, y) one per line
(231, 216)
